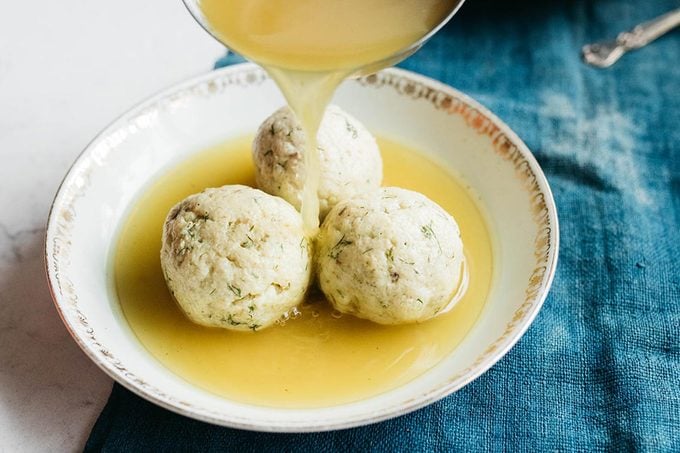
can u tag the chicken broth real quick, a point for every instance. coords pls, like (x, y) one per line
(318, 357)
(322, 35)
(310, 46)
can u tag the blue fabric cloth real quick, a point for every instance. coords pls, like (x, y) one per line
(600, 367)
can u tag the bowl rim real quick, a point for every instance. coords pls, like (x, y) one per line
(503, 344)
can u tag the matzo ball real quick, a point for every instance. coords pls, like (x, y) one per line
(350, 160)
(391, 256)
(235, 257)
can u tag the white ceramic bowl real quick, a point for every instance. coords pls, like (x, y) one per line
(100, 187)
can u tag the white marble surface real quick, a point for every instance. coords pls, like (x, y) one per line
(66, 69)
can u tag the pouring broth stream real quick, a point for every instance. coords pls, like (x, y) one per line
(310, 46)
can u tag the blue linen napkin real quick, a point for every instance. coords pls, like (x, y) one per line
(600, 367)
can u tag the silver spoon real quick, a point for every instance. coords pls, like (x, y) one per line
(605, 53)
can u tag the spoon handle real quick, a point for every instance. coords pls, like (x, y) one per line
(605, 53)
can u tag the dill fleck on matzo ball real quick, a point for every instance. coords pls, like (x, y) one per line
(391, 256)
(235, 257)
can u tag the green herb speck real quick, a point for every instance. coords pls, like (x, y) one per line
(338, 247)
(351, 129)
(248, 242)
(429, 233)
(234, 289)
(389, 254)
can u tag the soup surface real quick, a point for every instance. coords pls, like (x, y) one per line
(318, 357)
